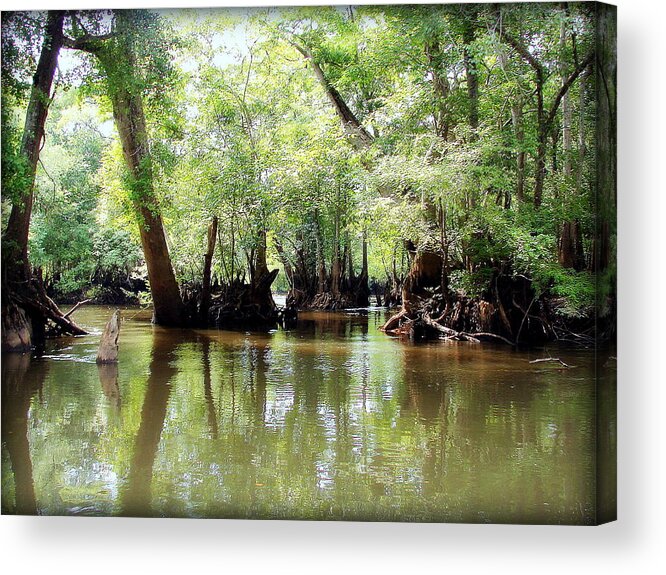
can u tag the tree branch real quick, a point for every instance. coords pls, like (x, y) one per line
(565, 88)
(520, 48)
(86, 43)
(350, 122)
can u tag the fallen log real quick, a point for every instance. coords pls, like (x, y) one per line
(478, 334)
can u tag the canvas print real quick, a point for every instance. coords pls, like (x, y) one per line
(321, 262)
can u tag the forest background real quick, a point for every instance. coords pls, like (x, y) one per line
(457, 160)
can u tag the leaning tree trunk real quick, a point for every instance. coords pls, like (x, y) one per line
(25, 306)
(116, 54)
(357, 133)
(360, 139)
(15, 248)
(131, 124)
(130, 121)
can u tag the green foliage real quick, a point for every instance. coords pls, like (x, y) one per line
(577, 290)
(240, 128)
(76, 237)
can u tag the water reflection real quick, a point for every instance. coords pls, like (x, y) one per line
(21, 380)
(108, 378)
(208, 392)
(137, 496)
(331, 420)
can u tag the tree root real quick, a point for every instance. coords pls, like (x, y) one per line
(49, 311)
(463, 335)
(26, 316)
(402, 324)
(394, 321)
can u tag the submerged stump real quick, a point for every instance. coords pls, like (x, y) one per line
(108, 346)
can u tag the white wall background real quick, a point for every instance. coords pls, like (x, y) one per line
(634, 544)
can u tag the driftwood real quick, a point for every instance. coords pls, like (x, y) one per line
(108, 347)
(552, 359)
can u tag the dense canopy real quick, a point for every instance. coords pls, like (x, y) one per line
(456, 160)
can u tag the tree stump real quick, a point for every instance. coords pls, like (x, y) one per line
(108, 347)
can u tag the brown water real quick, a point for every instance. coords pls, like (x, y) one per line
(332, 420)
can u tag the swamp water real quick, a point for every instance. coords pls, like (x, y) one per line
(330, 420)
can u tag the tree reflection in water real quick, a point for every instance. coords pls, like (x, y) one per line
(331, 420)
(137, 497)
(22, 378)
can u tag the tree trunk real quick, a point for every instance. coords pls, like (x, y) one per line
(336, 264)
(350, 262)
(441, 89)
(359, 136)
(208, 264)
(15, 246)
(570, 246)
(444, 245)
(606, 134)
(25, 306)
(130, 121)
(542, 143)
(582, 148)
(262, 280)
(471, 71)
(321, 264)
(363, 286)
(517, 120)
(544, 118)
(566, 107)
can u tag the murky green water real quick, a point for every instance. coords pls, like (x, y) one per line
(333, 420)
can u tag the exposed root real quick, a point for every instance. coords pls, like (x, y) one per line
(29, 316)
(329, 301)
(394, 321)
(48, 310)
(241, 304)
